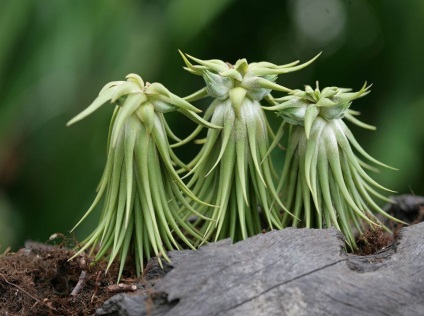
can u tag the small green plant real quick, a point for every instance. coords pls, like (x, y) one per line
(141, 189)
(324, 182)
(233, 170)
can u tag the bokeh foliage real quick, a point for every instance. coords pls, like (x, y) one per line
(56, 55)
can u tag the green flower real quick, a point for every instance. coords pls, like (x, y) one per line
(233, 170)
(324, 182)
(142, 192)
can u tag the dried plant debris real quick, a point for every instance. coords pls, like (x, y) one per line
(407, 208)
(40, 280)
(372, 241)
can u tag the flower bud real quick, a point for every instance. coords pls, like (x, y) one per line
(162, 106)
(302, 107)
(217, 86)
(255, 86)
(293, 111)
(258, 79)
(334, 112)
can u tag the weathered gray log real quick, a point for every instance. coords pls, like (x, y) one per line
(408, 208)
(288, 272)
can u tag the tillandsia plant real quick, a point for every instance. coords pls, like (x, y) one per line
(142, 191)
(233, 169)
(324, 182)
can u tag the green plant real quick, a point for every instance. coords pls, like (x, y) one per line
(148, 209)
(141, 189)
(233, 170)
(321, 166)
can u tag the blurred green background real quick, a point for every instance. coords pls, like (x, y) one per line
(55, 56)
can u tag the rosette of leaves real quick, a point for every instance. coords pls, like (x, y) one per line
(141, 190)
(324, 182)
(233, 169)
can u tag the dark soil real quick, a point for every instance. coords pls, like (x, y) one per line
(40, 280)
(408, 208)
(372, 241)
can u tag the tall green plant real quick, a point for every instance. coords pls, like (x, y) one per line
(233, 170)
(142, 192)
(324, 182)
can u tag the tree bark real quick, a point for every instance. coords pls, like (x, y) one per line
(287, 272)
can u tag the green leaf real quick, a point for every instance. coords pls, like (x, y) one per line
(100, 100)
(132, 103)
